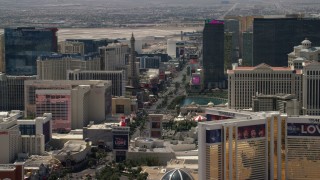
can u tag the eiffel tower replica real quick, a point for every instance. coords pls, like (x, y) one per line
(133, 78)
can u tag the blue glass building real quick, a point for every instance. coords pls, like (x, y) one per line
(24, 45)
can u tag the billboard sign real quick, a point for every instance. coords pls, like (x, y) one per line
(249, 132)
(120, 141)
(213, 136)
(303, 129)
(196, 80)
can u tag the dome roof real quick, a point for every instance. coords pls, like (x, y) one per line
(299, 59)
(210, 104)
(177, 174)
(306, 41)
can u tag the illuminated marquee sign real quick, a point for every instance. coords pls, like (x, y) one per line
(303, 129)
(120, 142)
(195, 80)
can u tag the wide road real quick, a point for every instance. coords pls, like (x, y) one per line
(181, 90)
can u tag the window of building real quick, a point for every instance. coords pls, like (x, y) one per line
(27, 129)
(119, 108)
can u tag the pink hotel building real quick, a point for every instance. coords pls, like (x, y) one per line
(59, 103)
(73, 104)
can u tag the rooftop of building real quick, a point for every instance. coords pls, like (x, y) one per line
(279, 96)
(160, 147)
(4, 114)
(121, 97)
(69, 136)
(96, 71)
(156, 115)
(76, 56)
(31, 29)
(7, 167)
(314, 64)
(45, 118)
(303, 49)
(7, 116)
(255, 116)
(71, 147)
(66, 82)
(114, 44)
(88, 39)
(72, 42)
(106, 126)
(299, 59)
(23, 77)
(228, 111)
(311, 49)
(36, 161)
(190, 162)
(258, 67)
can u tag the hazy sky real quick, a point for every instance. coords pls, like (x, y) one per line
(135, 3)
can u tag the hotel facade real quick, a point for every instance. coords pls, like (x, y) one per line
(302, 139)
(72, 103)
(245, 82)
(117, 78)
(259, 146)
(236, 149)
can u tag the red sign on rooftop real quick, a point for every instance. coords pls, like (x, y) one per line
(214, 22)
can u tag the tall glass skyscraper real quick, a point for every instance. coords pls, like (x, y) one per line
(247, 48)
(24, 45)
(213, 54)
(274, 38)
(233, 26)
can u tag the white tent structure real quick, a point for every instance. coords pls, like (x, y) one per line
(179, 118)
(199, 118)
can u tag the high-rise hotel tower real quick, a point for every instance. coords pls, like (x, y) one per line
(213, 54)
(24, 45)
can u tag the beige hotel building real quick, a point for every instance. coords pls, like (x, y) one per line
(246, 82)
